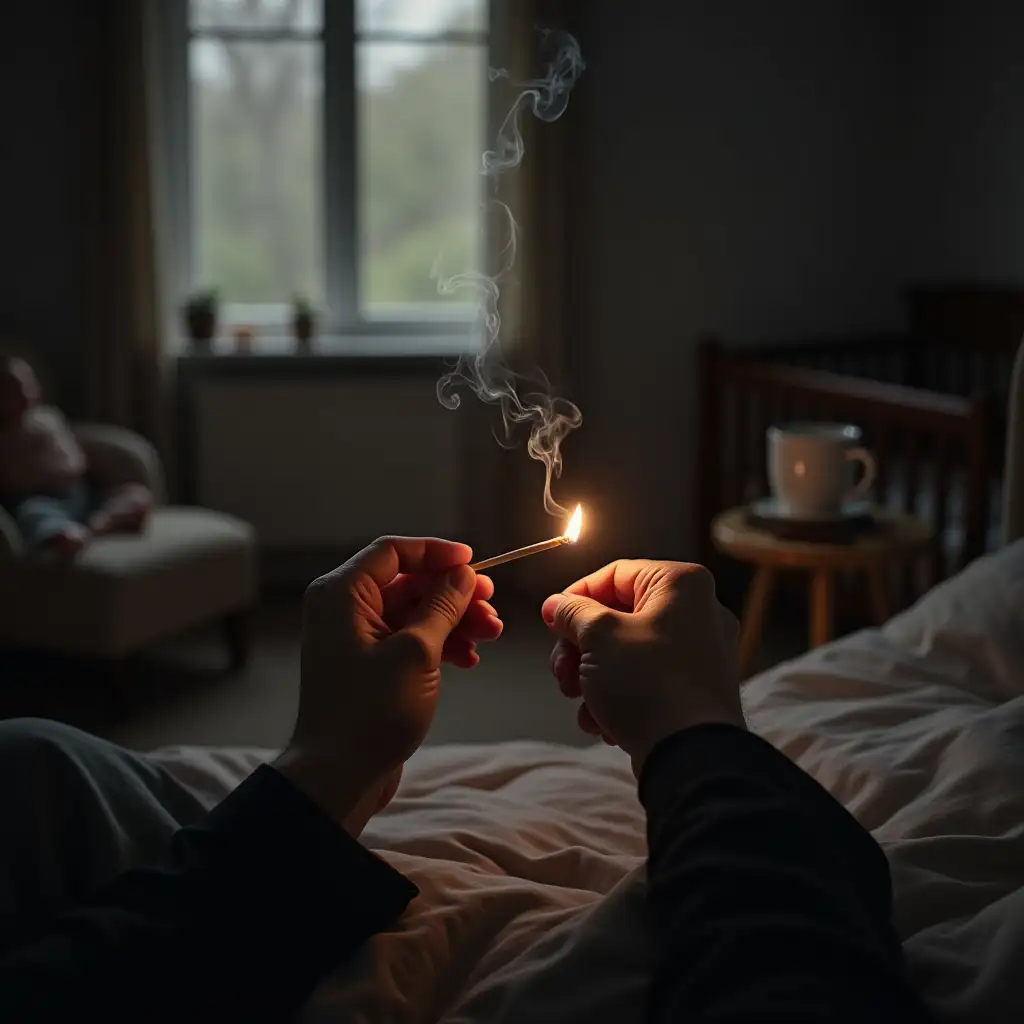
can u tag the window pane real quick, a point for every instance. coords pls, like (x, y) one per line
(302, 15)
(420, 139)
(421, 16)
(257, 185)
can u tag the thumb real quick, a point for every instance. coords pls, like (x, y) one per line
(441, 608)
(573, 616)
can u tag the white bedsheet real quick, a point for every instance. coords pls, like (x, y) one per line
(919, 730)
(529, 855)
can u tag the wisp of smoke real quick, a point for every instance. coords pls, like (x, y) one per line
(521, 400)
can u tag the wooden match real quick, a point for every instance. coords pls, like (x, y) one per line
(571, 535)
(515, 555)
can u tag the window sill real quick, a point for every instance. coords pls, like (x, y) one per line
(337, 346)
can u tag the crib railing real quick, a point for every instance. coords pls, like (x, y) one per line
(875, 357)
(932, 449)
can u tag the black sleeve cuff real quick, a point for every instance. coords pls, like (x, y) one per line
(271, 829)
(248, 912)
(680, 764)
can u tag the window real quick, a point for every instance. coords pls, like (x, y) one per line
(333, 152)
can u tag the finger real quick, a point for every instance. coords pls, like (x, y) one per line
(613, 585)
(460, 652)
(634, 584)
(407, 588)
(440, 610)
(575, 618)
(586, 722)
(386, 557)
(565, 667)
(481, 623)
(484, 588)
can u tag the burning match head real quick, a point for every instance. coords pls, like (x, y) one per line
(572, 531)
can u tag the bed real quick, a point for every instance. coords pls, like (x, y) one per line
(529, 855)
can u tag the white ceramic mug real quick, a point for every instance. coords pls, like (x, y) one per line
(810, 469)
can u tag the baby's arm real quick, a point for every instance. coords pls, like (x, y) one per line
(65, 458)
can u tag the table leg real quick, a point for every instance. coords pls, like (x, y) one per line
(759, 597)
(823, 602)
(878, 595)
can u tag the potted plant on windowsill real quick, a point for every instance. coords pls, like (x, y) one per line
(303, 322)
(201, 317)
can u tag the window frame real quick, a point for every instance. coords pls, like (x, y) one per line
(339, 38)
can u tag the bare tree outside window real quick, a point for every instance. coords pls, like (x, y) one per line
(259, 120)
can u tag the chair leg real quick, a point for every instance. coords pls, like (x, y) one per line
(238, 634)
(823, 607)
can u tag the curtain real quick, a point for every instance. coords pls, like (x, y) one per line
(538, 318)
(1013, 475)
(127, 320)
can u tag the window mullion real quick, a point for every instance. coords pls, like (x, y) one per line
(339, 147)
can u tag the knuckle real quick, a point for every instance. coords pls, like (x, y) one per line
(373, 548)
(595, 624)
(569, 612)
(699, 573)
(602, 621)
(314, 593)
(376, 547)
(443, 604)
(695, 577)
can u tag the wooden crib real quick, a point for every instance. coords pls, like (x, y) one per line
(931, 403)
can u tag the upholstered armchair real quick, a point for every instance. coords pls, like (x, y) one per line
(125, 592)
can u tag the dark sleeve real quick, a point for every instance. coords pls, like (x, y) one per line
(245, 916)
(768, 901)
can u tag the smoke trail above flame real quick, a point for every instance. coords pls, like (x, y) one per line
(522, 400)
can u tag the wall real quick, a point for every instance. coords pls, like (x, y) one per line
(736, 177)
(45, 95)
(964, 130)
(755, 168)
(321, 465)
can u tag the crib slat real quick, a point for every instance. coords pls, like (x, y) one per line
(759, 410)
(730, 490)
(882, 447)
(911, 470)
(742, 446)
(943, 472)
(960, 370)
(911, 486)
(919, 437)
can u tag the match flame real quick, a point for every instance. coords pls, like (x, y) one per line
(572, 531)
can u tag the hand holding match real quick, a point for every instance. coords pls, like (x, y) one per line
(571, 535)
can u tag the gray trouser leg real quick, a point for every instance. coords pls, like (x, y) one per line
(75, 811)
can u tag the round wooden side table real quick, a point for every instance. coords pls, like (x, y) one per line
(897, 539)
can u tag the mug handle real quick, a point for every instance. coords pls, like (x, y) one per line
(862, 486)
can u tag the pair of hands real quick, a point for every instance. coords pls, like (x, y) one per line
(646, 645)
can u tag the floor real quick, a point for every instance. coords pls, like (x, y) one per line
(182, 693)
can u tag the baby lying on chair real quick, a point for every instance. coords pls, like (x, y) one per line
(43, 474)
